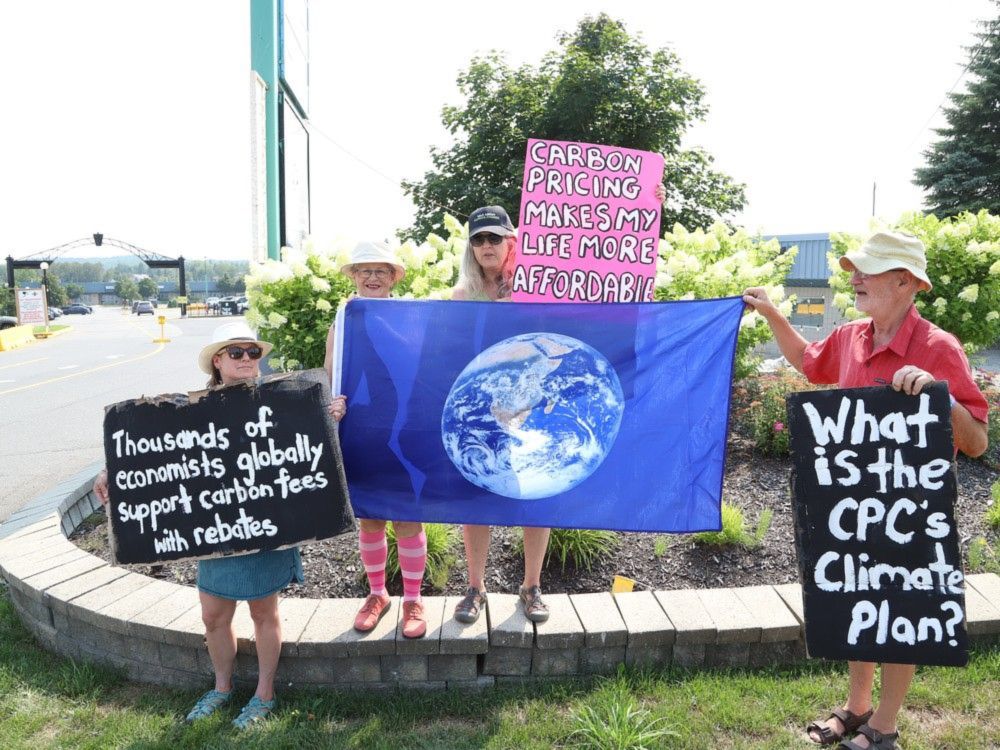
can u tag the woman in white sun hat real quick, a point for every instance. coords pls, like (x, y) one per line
(375, 270)
(234, 357)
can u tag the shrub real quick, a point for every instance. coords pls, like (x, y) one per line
(963, 263)
(441, 541)
(734, 529)
(982, 557)
(721, 262)
(993, 511)
(660, 546)
(582, 547)
(292, 302)
(615, 722)
(767, 415)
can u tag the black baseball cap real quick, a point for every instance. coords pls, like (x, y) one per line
(490, 219)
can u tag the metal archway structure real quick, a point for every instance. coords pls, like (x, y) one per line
(150, 258)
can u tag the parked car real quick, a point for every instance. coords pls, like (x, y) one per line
(78, 309)
(7, 321)
(243, 304)
(143, 306)
(212, 303)
(135, 305)
(55, 312)
(229, 306)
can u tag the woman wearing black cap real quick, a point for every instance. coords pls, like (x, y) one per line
(485, 276)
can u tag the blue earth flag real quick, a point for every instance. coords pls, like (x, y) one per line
(537, 414)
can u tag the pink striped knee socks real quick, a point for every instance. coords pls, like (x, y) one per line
(412, 561)
(374, 550)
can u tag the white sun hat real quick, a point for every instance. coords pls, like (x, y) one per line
(374, 252)
(888, 251)
(236, 332)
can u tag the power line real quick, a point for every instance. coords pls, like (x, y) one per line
(396, 183)
(973, 57)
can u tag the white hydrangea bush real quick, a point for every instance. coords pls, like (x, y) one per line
(722, 262)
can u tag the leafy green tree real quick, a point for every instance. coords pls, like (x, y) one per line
(74, 291)
(600, 86)
(963, 167)
(79, 271)
(147, 289)
(126, 288)
(231, 285)
(56, 293)
(6, 301)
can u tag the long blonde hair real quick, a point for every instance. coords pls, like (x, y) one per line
(471, 278)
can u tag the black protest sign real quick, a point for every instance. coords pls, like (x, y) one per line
(589, 228)
(238, 469)
(874, 490)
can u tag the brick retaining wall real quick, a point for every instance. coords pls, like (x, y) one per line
(79, 606)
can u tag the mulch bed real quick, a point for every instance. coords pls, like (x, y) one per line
(753, 482)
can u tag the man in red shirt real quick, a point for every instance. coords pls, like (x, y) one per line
(893, 346)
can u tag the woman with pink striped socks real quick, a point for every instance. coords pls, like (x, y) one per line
(375, 270)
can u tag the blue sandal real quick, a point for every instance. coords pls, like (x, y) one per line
(208, 704)
(254, 711)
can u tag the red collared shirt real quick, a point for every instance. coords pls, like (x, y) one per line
(846, 357)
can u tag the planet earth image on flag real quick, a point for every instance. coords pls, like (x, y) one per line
(532, 416)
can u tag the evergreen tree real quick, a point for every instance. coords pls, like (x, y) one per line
(601, 86)
(963, 167)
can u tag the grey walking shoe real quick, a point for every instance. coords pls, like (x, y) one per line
(468, 609)
(534, 608)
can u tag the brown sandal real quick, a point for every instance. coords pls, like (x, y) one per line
(828, 735)
(876, 740)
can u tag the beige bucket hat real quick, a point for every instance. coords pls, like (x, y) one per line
(887, 251)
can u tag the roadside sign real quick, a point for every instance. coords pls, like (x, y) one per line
(31, 307)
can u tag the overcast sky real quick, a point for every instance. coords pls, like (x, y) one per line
(132, 118)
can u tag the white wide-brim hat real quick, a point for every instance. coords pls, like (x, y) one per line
(374, 252)
(236, 332)
(888, 251)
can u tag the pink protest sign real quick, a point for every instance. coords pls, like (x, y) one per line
(590, 224)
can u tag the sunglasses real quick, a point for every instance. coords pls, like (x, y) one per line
(237, 352)
(481, 239)
(367, 273)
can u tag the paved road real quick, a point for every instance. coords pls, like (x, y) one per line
(53, 393)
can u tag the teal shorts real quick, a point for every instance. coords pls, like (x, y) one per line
(253, 576)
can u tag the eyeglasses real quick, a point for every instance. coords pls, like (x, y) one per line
(237, 352)
(481, 239)
(865, 276)
(367, 273)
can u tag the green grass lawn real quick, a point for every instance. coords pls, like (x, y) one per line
(53, 328)
(47, 701)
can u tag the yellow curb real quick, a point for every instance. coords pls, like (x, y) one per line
(12, 338)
